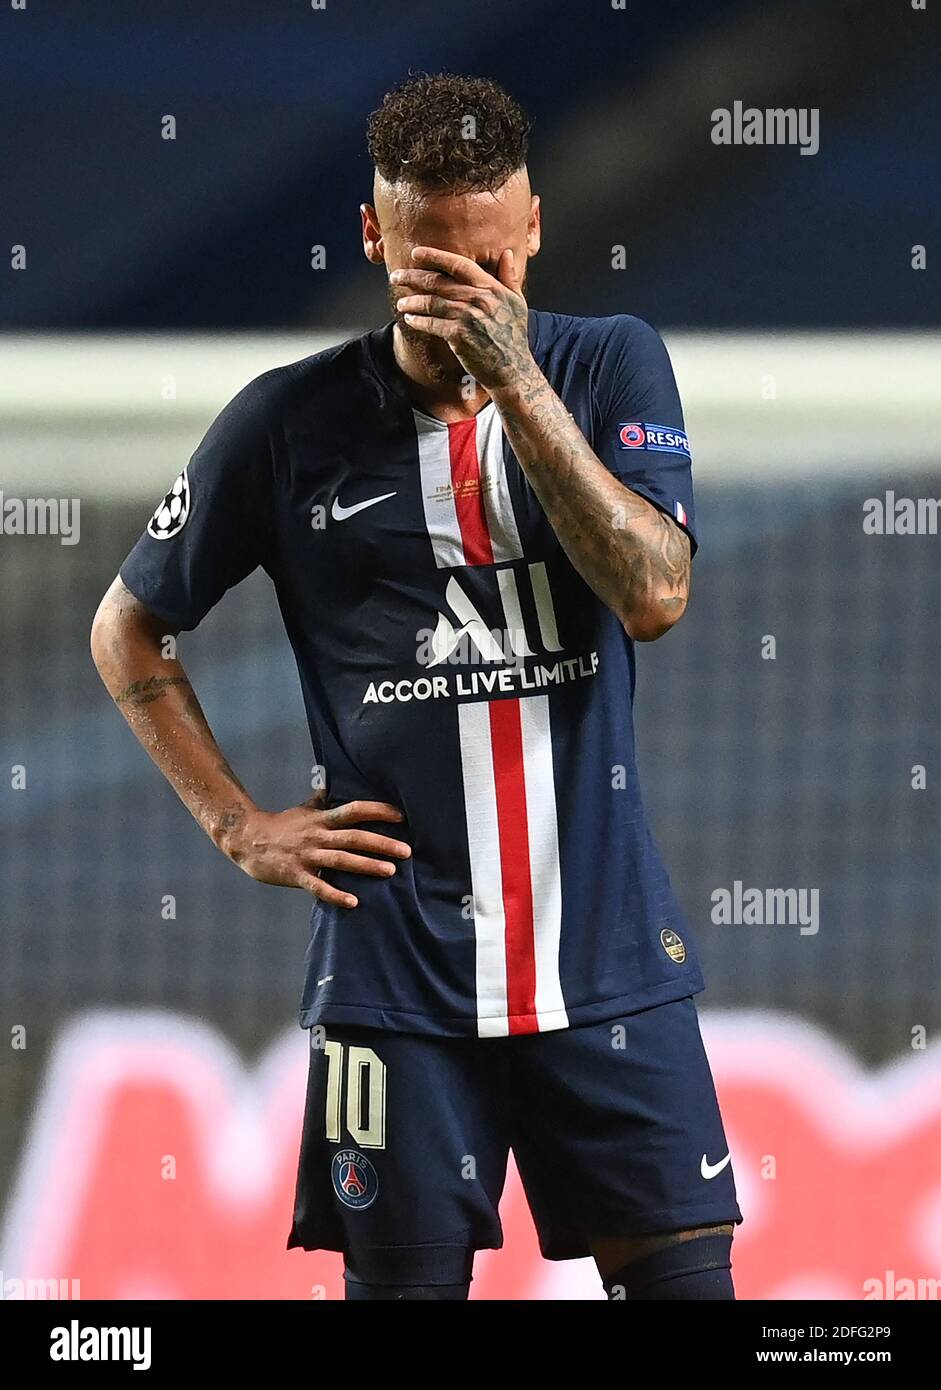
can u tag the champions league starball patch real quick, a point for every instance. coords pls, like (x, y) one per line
(170, 517)
(355, 1180)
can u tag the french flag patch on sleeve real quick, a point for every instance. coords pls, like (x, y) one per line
(679, 511)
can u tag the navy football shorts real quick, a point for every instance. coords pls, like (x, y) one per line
(615, 1129)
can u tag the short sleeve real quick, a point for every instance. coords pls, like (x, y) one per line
(213, 527)
(641, 433)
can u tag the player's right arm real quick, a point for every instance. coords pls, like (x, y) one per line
(291, 847)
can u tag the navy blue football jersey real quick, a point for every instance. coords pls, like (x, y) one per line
(454, 663)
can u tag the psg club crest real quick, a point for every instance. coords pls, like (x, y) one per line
(355, 1180)
(170, 516)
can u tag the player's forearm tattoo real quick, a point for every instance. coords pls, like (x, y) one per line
(164, 745)
(229, 820)
(632, 555)
(146, 691)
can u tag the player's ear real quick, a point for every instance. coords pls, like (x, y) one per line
(372, 234)
(534, 229)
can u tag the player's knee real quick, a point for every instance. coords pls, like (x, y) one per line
(693, 1267)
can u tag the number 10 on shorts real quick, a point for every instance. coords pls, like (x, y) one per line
(365, 1084)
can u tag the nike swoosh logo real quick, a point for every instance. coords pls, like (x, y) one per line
(340, 513)
(710, 1170)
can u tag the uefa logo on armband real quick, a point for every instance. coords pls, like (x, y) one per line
(632, 436)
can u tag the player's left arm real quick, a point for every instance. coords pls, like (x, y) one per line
(634, 556)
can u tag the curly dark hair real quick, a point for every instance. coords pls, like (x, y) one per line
(419, 133)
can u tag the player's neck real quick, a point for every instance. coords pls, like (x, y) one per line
(447, 401)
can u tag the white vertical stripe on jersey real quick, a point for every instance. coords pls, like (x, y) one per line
(545, 868)
(437, 493)
(498, 505)
(483, 839)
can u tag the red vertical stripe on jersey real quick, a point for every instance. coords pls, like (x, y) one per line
(468, 494)
(506, 733)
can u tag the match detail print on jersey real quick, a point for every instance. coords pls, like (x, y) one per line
(465, 494)
(513, 838)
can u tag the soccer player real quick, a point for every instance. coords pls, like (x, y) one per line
(470, 516)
